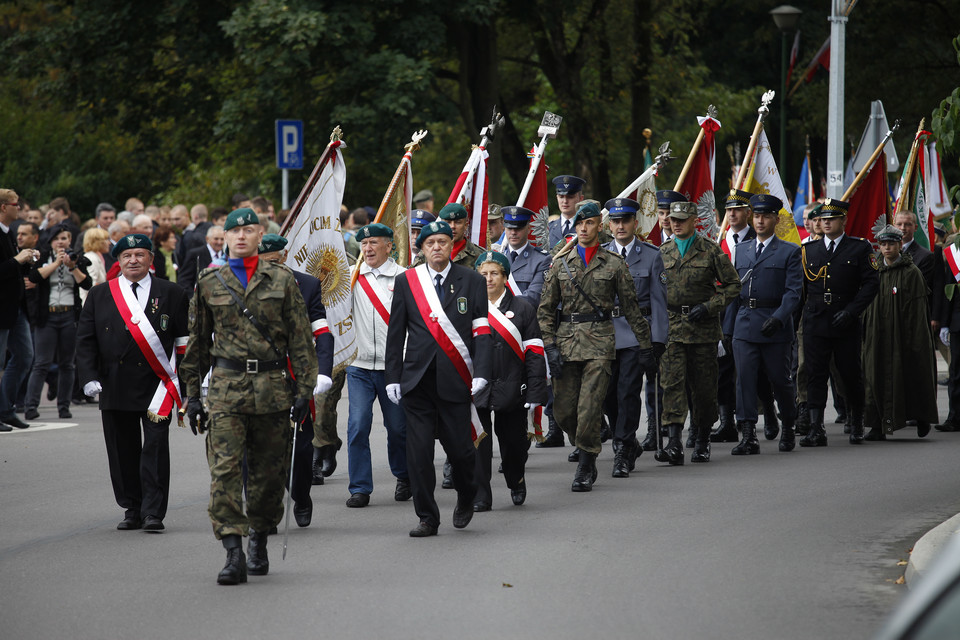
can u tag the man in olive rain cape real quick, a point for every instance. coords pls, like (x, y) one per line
(898, 358)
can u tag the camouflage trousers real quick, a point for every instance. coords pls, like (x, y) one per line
(689, 371)
(578, 401)
(266, 439)
(325, 426)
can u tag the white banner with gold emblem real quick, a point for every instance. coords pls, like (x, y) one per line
(316, 248)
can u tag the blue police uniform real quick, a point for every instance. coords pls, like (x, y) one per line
(528, 264)
(565, 185)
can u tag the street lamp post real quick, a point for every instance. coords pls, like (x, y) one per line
(786, 18)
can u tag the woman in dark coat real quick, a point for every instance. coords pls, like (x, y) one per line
(898, 358)
(54, 308)
(518, 383)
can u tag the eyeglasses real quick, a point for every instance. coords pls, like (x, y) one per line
(10, 204)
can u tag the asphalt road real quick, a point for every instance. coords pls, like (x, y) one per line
(799, 545)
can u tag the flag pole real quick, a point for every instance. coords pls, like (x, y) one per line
(335, 141)
(549, 126)
(869, 163)
(487, 135)
(409, 148)
(911, 167)
(748, 157)
(711, 113)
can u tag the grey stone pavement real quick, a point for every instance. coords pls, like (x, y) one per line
(809, 544)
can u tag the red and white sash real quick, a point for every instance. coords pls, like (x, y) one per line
(143, 333)
(443, 331)
(507, 330)
(376, 294)
(951, 254)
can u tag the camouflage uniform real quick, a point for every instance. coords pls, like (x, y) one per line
(249, 412)
(466, 257)
(588, 348)
(689, 366)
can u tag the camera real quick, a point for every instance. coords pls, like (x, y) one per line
(79, 258)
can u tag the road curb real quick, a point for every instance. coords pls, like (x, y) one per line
(928, 547)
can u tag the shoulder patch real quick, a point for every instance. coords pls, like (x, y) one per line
(663, 277)
(873, 261)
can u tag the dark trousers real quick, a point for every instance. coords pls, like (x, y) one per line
(654, 395)
(953, 381)
(846, 352)
(427, 419)
(511, 428)
(140, 474)
(768, 362)
(303, 463)
(622, 404)
(727, 394)
(56, 342)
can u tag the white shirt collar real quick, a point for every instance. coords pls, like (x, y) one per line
(5, 228)
(444, 273)
(520, 250)
(143, 291)
(500, 299)
(905, 245)
(629, 247)
(741, 234)
(765, 243)
(213, 252)
(836, 243)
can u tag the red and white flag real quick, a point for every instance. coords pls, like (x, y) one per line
(869, 204)
(951, 253)
(471, 191)
(537, 199)
(698, 185)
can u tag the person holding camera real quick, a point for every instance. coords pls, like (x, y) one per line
(54, 308)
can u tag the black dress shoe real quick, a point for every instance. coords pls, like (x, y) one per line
(329, 460)
(423, 530)
(4, 428)
(31, 413)
(235, 570)
(481, 506)
(923, 428)
(947, 427)
(402, 493)
(358, 500)
(129, 523)
(875, 434)
(462, 515)
(65, 414)
(14, 421)
(303, 513)
(153, 524)
(519, 495)
(574, 455)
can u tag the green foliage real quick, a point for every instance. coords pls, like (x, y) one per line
(945, 124)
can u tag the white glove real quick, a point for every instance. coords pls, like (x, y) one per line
(530, 406)
(720, 350)
(92, 388)
(393, 392)
(323, 384)
(945, 336)
(479, 384)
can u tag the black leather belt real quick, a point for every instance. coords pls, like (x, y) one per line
(618, 313)
(830, 298)
(60, 308)
(582, 317)
(682, 309)
(759, 303)
(249, 366)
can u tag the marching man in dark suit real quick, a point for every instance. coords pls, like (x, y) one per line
(761, 323)
(439, 312)
(840, 281)
(131, 330)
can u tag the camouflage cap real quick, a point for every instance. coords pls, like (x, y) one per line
(132, 241)
(493, 256)
(240, 218)
(494, 212)
(890, 234)
(272, 242)
(683, 210)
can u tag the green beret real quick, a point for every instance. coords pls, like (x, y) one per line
(493, 256)
(374, 230)
(132, 241)
(272, 242)
(240, 218)
(437, 226)
(453, 211)
(587, 210)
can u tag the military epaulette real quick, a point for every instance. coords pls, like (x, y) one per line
(649, 244)
(208, 271)
(281, 265)
(611, 251)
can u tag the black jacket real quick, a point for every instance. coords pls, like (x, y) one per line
(849, 280)
(514, 382)
(38, 298)
(11, 282)
(312, 292)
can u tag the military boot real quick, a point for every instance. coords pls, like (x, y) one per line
(447, 475)
(673, 452)
(586, 473)
(574, 455)
(650, 441)
(856, 429)
(257, 562)
(235, 570)
(802, 425)
(749, 445)
(702, 451)
(847, 423)
(329, 461)
(317, 463)
(605, 432)
(554, 437)
(634, 452)
(727, 431)
(691, 436)
(817, 435)
(787, 439)
(621, 459)
(771, 426)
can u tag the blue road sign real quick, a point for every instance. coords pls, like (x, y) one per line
(289, 144)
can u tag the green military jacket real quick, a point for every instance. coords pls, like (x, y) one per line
(467, 257)
(606, 277)
(704, 275)
(218, 329)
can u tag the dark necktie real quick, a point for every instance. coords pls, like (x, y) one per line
(513, 257)
(736, 238)
(134, 286)
(830, 248)
(759, 249)
(566, 228)
(623, 252)
(439, 278)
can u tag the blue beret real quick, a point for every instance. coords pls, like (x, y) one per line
(587, 210)
(765, 203)
(420, 217)
(516, 217)
(240, 218)
(568, 184)
(374, 230)
(621, 207)
(494, 256)
(453, 211)
(437, 226)
(833, 208)
(272, 242)
(665, 197)
(738, 198)
(132, 241)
